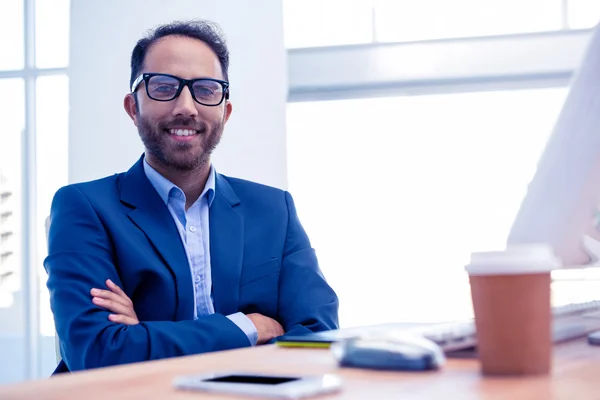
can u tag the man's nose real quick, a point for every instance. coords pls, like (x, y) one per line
(185, 104)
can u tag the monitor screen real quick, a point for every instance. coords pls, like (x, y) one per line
(561, 207)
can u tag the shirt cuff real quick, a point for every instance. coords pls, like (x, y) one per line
(245, 325)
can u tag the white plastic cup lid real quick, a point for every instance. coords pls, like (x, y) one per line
(516, 259)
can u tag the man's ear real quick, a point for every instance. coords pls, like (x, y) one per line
(131, 107)
(228, 110)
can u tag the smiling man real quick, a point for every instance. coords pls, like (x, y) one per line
(172, 258)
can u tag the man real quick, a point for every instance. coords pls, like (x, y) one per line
(172, 258)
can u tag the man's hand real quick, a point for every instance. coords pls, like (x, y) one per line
(266, 327)
(115, 300)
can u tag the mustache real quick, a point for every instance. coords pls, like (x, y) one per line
(182, 122)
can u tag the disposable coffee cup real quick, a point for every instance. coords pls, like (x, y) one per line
(510, 291)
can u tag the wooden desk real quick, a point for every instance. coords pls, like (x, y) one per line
(576, 375)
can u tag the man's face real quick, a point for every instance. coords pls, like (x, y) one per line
(179, 134)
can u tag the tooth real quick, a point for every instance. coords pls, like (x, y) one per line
(182, 132)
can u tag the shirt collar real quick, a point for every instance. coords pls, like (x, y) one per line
(164, 187)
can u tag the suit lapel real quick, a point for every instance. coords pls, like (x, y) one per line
(152, 216)
(226, 247)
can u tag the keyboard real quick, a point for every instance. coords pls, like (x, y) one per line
(458, 338)
(569, 322)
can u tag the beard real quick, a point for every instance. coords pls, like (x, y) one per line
(180, 156)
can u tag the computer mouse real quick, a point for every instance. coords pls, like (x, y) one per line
(389, 351)
(594, 338)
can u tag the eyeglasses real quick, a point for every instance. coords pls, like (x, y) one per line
(165, 87)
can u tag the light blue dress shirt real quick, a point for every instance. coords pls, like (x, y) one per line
(193, 227)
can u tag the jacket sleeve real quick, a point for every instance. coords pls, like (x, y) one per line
(80, 257)
(306, 301)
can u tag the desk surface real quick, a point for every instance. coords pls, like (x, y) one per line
(576, 375)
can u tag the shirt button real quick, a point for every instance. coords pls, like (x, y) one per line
(192, 228)
(197, 278)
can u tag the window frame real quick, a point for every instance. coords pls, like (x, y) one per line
(29, 221)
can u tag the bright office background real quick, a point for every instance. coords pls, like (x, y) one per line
(396, 180)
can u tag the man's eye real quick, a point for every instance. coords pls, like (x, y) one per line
(164, 89)
(204, 91)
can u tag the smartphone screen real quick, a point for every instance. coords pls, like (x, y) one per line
(262, 380)
(266, 385)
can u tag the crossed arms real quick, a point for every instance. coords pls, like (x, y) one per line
(82, 258)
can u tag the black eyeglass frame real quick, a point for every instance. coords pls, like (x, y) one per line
(182, 83)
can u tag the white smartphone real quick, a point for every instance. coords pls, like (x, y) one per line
(251, 384)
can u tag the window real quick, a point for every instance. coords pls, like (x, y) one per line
(401, 21)
(51, 169)
(315, 23)
(311, 23)
(12, 324)
(395, 193)
(583, 13)
(51, 27)
(11, 26)
(33, 165)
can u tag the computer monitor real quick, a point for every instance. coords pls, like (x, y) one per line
(561, 207)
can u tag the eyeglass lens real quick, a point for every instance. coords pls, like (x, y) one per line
(162, 87)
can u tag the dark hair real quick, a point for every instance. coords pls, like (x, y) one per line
(206, 31)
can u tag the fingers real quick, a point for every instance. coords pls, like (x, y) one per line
(123, 319)
(275, 328)
(266, 327)
(113, 306)
(279, 331)
(113, 297)
(116, 301)
(116, 294)
(257, 321)
(115, 288)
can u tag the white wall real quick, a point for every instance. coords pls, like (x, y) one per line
(102, 139)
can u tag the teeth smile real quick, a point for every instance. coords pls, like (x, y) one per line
(182, 132)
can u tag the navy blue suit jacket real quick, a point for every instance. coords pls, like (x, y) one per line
(119, 228)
